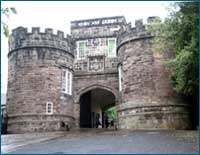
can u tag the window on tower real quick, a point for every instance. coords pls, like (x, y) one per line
(120, 77)
(49, 108)
(67, 81)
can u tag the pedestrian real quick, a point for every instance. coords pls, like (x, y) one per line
(97, 121)
(106, 120)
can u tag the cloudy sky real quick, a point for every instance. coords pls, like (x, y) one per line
(57, 15)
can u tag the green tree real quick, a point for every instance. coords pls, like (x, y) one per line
(6, 12)
(179, 34)
(112, 113)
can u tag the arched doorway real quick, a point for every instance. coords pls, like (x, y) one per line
(93, 104)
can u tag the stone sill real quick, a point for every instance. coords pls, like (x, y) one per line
(84, 73)
(38, 115)
(122, 107)
(153, 113)
(35, 121)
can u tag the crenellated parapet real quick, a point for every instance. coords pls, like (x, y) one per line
(24, 39)
(148, 100)
(129, 33)
(50, 77)
(37, 64)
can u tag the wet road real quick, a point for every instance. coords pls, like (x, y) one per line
(116, 142)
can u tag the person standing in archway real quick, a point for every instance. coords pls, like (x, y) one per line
(97, 121)
(105, 121)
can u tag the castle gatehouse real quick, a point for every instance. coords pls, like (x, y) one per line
(55, 79)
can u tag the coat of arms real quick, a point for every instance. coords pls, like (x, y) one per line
(96, 63)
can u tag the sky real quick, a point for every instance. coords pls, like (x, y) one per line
(57, 15)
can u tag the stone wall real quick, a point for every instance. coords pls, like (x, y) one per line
(86, 82)
(97, 70)
(36, 61)
(147, 98)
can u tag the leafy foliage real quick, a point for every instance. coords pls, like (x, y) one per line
(112, 113)
(179, 35)
(6, 12)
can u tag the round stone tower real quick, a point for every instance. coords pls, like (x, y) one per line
(38, 65)
(147, 98)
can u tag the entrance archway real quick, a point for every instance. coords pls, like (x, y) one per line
(93, 104)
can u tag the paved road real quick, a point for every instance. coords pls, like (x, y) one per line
(117, 142)
(12, 141)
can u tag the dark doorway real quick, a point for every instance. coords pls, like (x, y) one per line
(92, 105)
(85, 110)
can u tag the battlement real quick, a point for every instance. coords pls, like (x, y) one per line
(129, 33)
(116, 20)
(23, 39)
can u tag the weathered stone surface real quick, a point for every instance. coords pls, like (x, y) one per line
(34, 79)
(147, 97)
(36, 62)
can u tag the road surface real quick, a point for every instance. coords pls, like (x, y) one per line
(103, 141)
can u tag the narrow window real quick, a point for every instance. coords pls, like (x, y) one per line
(120, 77)
(70, 84)
(49, 108)
(111, 47)
(64, 81)
(67, 82)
